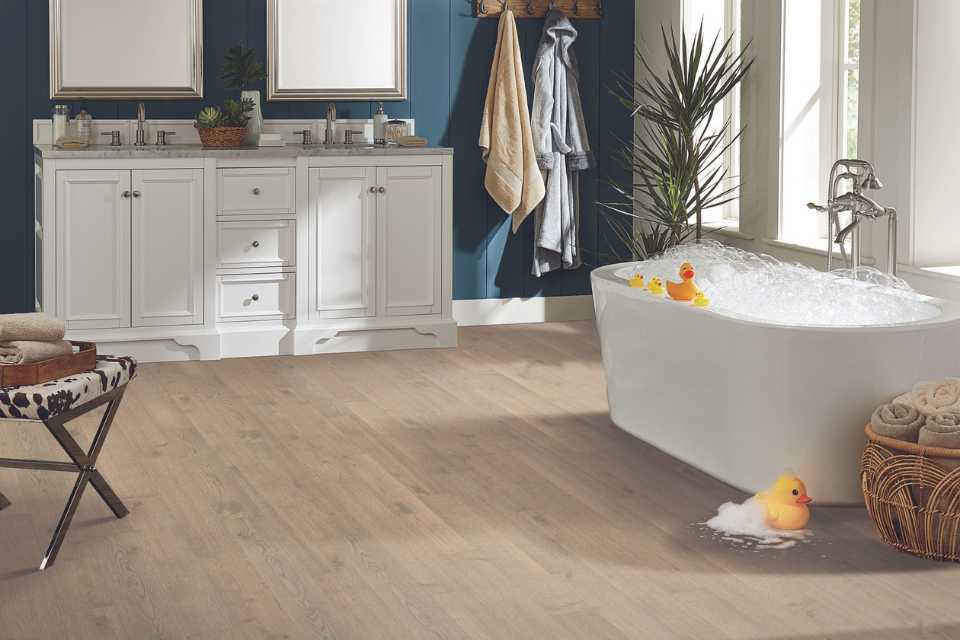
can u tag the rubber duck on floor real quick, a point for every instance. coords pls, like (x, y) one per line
(656, 286)
(786, 503)
(685, 290)
(636, 282)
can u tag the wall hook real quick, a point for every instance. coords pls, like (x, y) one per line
(529, 7)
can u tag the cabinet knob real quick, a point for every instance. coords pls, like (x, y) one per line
(373, 189)
(255, 297)
(256, 191)
(125, 194)
(136, 194)
(382, 190)
(256, 243)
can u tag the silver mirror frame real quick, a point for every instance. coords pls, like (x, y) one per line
(58, 91)
(274, 92)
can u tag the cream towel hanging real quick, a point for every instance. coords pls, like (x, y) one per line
(513, 178)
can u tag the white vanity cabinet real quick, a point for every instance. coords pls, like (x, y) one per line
(186, 253)
(129, 247)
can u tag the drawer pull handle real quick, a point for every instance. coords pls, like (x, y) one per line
(382, 190)
(255, 297)
(256, 243)
(256, 191)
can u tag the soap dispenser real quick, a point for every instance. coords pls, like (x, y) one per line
(380, 126)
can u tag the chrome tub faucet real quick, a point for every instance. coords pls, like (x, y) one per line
(862, 175)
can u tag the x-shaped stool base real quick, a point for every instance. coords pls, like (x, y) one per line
(83, 463)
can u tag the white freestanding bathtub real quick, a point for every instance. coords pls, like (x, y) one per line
(744, 400)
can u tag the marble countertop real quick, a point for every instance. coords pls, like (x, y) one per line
(126, 152)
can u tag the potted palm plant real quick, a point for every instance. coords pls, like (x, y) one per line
(241, 70)
(676, 155)
(226, 126)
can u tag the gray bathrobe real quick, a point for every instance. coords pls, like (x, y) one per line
(562, 146)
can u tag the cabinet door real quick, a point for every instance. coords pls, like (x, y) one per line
(342, 242)
(93, 249)
(167, 247)
(410, 225)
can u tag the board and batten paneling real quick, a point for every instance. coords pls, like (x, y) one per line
(449, 58)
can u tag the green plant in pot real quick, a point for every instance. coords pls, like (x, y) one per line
(677, 153)
(242, 70)
(225, 126)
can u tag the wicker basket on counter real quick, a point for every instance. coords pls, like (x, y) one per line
(222, 137)
(912, 494)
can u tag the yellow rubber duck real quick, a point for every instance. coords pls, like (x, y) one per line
(701, 300)
(636, 282)
(686, 289)
(786, 503)
(656, 286)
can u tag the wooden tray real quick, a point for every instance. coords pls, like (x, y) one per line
(19, 375)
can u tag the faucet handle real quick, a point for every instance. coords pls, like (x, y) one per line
(817, 207)
(348, 135)
(162, 137)
(307, 136)
(114, 137)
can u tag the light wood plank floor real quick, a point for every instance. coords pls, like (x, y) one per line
(473, 493)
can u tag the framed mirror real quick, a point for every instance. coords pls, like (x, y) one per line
(336, 50)
(126, 49)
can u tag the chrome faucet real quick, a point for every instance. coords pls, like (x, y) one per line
(141, 140)
(862, 175)
(331, 129)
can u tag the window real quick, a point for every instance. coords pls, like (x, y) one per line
(820, 101)
(721, 18)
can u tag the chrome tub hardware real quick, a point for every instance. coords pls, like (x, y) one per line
(862, 176)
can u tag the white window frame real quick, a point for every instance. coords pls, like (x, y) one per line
(833, 68)
(730, 109)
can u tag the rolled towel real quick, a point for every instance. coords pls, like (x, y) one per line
(31, 326)
(899, 421)
(27, 351)
(941, 430)
(937, 396)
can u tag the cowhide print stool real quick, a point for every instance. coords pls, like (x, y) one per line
(56, 403)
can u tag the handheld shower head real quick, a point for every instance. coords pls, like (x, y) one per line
(872, 182)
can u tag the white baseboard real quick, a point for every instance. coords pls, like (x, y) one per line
(469, 313)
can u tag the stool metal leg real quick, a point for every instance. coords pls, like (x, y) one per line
(4, 503)
(86, 463)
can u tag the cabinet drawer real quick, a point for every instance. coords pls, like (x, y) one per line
(252, 191)
(256, 243)
(256, 297)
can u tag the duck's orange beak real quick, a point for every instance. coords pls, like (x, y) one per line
(804, 500)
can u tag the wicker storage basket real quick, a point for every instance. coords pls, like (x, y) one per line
(222, 137)
(913, 495)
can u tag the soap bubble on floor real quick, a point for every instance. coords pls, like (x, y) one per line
(759, 287)
(744, 525)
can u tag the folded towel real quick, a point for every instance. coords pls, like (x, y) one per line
(31, 326)
(27, 351)
(513, 178)
(941, 430)
(899, 421)
(937, 396)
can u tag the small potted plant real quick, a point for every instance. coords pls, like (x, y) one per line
(241, 70)
(226, 126)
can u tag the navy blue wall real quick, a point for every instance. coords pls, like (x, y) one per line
(450, 53)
